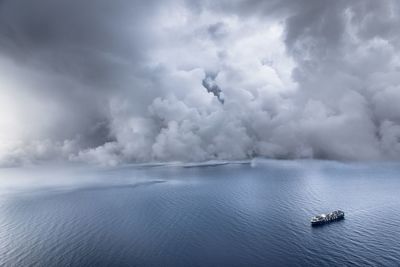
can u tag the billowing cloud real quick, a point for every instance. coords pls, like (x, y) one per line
(121, 81)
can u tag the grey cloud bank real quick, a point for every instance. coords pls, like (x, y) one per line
(113, 82)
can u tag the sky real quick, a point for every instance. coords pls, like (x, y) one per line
(125, 81)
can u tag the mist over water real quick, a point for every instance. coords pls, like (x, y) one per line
(242, 214)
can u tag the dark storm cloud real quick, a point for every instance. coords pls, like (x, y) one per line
(209, 83)
(84, 52)
(125, 81)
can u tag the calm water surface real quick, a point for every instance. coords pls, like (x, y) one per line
(254, 214)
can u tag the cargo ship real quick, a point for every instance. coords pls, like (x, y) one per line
(327, 218)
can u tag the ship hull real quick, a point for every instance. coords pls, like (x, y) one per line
(326, 222)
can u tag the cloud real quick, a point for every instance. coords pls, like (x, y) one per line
(212, 87)
(136, 81)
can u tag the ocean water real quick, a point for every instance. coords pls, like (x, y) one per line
(241, 214)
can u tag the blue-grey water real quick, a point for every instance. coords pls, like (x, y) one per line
(242, 214)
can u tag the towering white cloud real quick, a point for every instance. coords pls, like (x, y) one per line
(134, 81)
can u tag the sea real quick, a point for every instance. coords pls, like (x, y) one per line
(240, 213)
